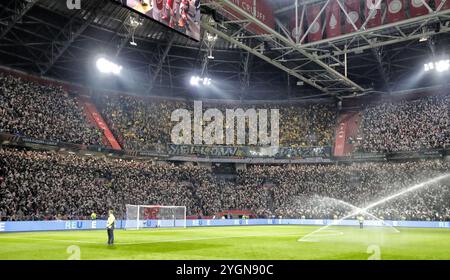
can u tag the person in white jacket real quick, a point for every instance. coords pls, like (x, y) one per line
(110, 224)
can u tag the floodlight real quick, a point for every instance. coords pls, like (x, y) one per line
(206, 81)
(442, 65)
(102, 65)
(210, 37)
(108, 67)
(195, 80)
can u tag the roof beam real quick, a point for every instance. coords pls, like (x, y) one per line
(19, 13)
(283, 41)
(379, 43)
(244, 75)
(68, 35)
(382, 29)
(161, 61)
(232, 40)
(378, 55)
(292, 6)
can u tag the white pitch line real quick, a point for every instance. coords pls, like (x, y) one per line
(331, 234)
(141, 243)
(49, 239)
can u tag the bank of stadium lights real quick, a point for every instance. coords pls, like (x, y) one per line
(429, 66)
(197, 81)
(108, 67)
(439, 66)
(211, 38)
(135, 22)
(206, 81)
(442, 65)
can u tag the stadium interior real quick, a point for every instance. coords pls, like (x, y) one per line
(88, 93)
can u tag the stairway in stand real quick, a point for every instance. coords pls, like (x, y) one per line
(347, 128)
(94, 115)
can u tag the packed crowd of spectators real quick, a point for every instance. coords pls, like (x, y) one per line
(47, 185)
(141, 122)
(50, 113)
(43, 112)
(406, 126)
(322, 191)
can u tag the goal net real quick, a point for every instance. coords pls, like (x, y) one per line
(154, 216)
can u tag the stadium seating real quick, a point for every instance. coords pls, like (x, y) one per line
(142, 122)
(43, 112)
(50, 113)
(45, 185)
(406, 125)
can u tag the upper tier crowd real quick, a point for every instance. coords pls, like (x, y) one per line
(406, 125)
(50, 113)
(141, 123)
(43, 112)
(47, 185)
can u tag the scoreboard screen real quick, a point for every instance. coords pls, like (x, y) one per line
(180, 15)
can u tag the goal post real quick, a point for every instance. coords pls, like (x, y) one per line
(154, 216)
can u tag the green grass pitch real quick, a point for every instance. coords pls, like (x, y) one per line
(227, 243)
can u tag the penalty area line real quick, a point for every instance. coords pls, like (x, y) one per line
(319, 235)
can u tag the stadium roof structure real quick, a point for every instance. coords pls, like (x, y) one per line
(44, 37)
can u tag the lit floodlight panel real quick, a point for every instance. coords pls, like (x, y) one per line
(442, 65)
(102, 65)
(108, 67)
(180, 15)
(429, 66)
(196, 80)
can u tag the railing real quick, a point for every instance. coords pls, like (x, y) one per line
(238, 154)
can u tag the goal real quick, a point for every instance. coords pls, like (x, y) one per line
(154, 216)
